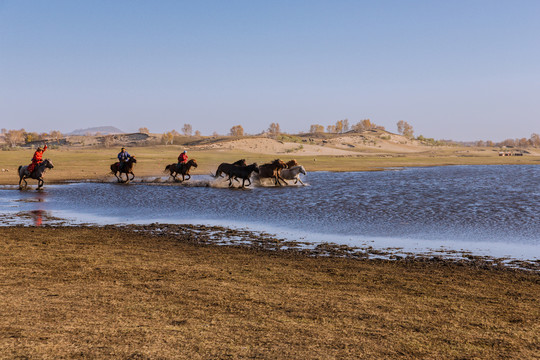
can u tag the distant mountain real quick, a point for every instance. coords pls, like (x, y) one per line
(103, 130)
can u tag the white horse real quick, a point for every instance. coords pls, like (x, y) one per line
(293, 174)
(36, 174)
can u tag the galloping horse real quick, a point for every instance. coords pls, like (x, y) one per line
(128, 169)
(181, 169)
(225, 168)
(242, 172)
(293, 173)
(36, 174)
(272, 170)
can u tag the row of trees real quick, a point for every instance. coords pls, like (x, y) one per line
(16, 137)
(533, 141)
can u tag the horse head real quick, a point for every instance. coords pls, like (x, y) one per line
(132, 160)
(193, 163)
(254, 167)
(48, 164)
(302, 170)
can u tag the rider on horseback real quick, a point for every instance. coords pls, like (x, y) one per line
(123, 157)
(182, 160)
(36, 160)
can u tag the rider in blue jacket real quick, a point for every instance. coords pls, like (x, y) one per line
(123, 156)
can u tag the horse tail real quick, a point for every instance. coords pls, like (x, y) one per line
(218, 172)
(167, 168)
(19, 170)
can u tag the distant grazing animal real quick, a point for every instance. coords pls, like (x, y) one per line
(181, 169)
(291, 163)
(37, 174)
(293, 173)
(272, 170)
(127, 169)
(242, 172)
(225, 168)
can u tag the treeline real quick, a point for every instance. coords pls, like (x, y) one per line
(21, 136)
(14, 137)
(533, 141)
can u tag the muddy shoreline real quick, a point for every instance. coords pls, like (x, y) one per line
(262, 241)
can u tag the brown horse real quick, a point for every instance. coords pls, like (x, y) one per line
(181, 169)
(225, 168)
(291, 163)
(242, 172)
(126, 169)
(272, 170)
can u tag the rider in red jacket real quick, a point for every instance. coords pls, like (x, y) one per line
(36, 160)
(182, 159)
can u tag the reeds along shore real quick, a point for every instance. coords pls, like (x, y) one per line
(113, 293)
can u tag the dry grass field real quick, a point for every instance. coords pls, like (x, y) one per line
(98, 293)
(94, 163)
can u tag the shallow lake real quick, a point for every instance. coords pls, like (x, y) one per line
(492, 210)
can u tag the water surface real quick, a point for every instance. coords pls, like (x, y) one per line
(494, 208)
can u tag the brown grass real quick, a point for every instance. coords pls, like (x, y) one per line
(111, 293)
(86, 163)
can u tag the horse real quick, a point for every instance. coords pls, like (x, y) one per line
(181, 169)
(225, 168)
(128, 169)
(37, 174)
(242, 172)
(272, 170)
(291, 163)
(294, 173)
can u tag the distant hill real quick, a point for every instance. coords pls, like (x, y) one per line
(102, 130)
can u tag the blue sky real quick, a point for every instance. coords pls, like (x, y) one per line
(461, 70)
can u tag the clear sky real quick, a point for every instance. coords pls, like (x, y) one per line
(462, 70)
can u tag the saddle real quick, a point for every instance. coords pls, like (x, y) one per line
(31, 169)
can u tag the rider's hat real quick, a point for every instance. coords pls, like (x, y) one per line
(40, 148)
(123, 148)
(185, 152)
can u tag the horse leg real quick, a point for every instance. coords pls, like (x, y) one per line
(188, 176)
(248, 179)
(298, 179)
(40, 183)
(21, 179)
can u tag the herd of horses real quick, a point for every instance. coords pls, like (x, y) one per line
(278, 170)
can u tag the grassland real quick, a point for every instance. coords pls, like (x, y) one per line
(90, 163)
(99, 293)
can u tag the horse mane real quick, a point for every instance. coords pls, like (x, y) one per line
(239, 162)
(291, 163)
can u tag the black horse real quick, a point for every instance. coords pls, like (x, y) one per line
(36, 174)
(242, 172)
(225, 168)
